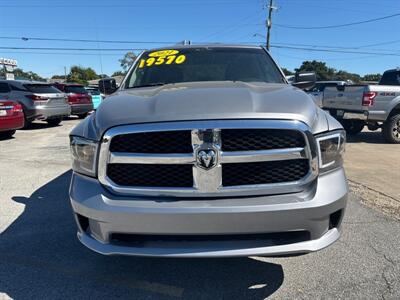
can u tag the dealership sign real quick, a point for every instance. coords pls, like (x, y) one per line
(8, 62)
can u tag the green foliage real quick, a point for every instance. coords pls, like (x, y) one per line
(372, 77)
(324, 72)
(118, 73)
(343, 75)
(57, 77)
(127, 61)
(21, 74)
(81, 75)
(320, 68)
(287, 72)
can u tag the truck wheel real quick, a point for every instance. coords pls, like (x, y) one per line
(391, 129)
(7, 134)
(353, 127)
(82, 116)
(54, 122)
(27, 124)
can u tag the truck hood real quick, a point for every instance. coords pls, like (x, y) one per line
(207, 101)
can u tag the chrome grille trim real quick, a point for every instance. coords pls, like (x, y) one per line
(224, 157)
(208, 183)
(143, 158)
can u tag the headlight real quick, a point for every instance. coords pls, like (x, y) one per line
(83, 155)
(330, 149)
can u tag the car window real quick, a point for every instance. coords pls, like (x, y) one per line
(319, 87)
(93, 92)
(204, 64)
(16, 88)
(42, 88)
(76, 89)
(4, 88)
(390, 78)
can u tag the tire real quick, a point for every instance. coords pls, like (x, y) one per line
(54, 122)
(7, 134)
(82, 116)
(27, 124)
(391, 129)
(353, 127)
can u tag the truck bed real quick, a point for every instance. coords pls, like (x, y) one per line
(345, 97)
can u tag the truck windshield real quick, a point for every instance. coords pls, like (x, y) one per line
(203, 64)
(390, 78)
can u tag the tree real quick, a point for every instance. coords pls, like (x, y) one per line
(287, 72)
(118, 73)
(320, 68)
(343, 75)
(372, 77)
(21, 74)
(58, 77)
(81, 75)
(127, 61)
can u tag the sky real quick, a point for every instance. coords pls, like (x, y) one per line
(156, 23)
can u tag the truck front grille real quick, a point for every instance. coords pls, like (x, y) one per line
(153, 142)
(260, 139)
(208, 158)
(264, 172)
(151, 175)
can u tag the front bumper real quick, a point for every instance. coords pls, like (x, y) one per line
(77, 109)
(310, 211)
(43, 112)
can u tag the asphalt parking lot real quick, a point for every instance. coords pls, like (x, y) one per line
(40, 256)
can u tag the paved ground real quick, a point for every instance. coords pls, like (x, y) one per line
(40, 257)
(372, 162)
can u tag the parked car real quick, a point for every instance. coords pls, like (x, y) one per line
(11, 118)
(96, 96)
(377, 106)
(78, 97)
(208, 151)
(318, 90)
(40, 101)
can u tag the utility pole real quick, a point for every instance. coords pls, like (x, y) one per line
(65, 73)
(269, 22)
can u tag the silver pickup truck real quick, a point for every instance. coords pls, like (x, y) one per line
(377, 106)
(207, 151)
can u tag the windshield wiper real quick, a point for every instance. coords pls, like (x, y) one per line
(147, 85)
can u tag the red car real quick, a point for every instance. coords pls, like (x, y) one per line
(78, 97)
(11, 118)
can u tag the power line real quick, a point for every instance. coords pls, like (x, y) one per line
(139, 49)
(335, 51)
(142, 4)
(174, 42)
(72, 49)
(339, 25)
(83, 40)
(338, 47)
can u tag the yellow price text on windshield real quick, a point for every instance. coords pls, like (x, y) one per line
(163, 53)
(160, 60)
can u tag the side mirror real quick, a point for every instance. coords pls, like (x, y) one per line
(107, 86)
(305, 80)
(340, 87)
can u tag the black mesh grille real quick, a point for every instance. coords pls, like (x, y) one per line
(151, 175)
(264, 172)
(260, 139)
(153, 142)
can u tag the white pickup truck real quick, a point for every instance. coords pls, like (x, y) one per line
(377, 106)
